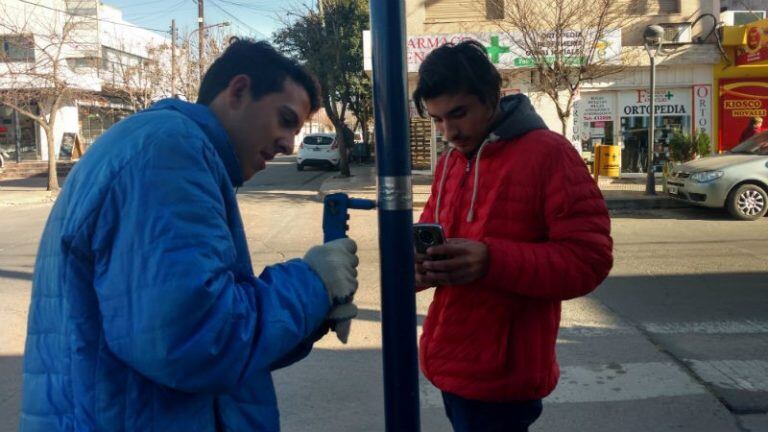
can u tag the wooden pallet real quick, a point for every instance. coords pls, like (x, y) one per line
(421, 134)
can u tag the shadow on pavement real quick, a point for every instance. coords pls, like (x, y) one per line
(683, 213)
(39, 182)
(12, 274)
(375, 316)
(10, 392)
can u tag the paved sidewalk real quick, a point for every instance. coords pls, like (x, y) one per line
(31, 190)
(620, 194)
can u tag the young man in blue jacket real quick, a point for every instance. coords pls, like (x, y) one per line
(146, 314)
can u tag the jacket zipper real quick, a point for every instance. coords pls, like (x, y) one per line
(466, 173)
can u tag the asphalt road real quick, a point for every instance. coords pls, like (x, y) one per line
(675, 340)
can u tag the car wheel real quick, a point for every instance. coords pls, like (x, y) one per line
(300, 167)
(748, 202)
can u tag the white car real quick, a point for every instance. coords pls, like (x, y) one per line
(318, 150)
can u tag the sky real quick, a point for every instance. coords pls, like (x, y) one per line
(254, 18)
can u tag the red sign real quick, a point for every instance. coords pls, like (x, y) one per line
(740, 101)
(756, 49)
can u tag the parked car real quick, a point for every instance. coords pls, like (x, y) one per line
(318, 150)
(736, 180)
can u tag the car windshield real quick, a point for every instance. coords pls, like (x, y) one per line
(318, 140)
(757, 145)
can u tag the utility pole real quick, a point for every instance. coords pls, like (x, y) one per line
(201, 37)
(173, 58)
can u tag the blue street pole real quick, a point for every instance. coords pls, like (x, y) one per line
(395, 203)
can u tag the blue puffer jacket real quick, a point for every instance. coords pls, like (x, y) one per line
(145, 313)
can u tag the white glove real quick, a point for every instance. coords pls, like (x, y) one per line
(340, 318)
(336, 264)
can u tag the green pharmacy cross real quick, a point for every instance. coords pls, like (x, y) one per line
(496, 50)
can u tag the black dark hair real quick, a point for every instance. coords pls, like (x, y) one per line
(458, 68)
(267, 68)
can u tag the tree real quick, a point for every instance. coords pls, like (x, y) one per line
(137, 80)
(188, 78)
(361, 104)
(330, 43)
(565, 42)
(43, 66)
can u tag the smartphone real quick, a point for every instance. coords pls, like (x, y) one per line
(426, 235)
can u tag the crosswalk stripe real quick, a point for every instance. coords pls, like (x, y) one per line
(623, 382)
(748, 375)
(606, 383)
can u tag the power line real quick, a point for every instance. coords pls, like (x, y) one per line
(235, 18)
(93, 18)
(138, 16)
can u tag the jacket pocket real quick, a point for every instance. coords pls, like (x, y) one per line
(471, 334)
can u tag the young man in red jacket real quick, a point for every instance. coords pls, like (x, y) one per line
(527, 228)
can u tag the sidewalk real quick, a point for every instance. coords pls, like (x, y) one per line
(620, 194)
(31, 190)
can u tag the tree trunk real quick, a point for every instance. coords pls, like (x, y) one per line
(366, 133)
(564, 125)
(53, 177)
(344, 136)
(345, 144)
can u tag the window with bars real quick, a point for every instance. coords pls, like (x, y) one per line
(464, 10)
(16, 48)
(654, 7)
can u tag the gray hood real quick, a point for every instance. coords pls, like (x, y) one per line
(517, 117)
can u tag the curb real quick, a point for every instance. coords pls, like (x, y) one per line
(26, 198)
(644, 204)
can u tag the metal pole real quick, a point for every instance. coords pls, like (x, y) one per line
(173, 58)
(398, 299)
(200, 37)
(650, 184)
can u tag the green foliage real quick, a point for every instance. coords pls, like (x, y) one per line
(703, 144)
(330, 44)
(684, 147)
(680, 148)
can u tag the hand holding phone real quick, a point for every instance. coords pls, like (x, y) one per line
(426, 235)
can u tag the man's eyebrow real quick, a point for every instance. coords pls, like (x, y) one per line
(456, 110)
(290, 116)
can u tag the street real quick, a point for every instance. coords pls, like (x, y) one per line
(676, 339)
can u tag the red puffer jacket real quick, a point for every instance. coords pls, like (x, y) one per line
(548, 235)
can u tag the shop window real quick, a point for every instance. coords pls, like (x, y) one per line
(15, 48)
(635, 139)
(463, 10)
(94, 121)
(18, 139)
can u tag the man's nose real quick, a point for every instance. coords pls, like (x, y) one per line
(284, 146)
(450, 131)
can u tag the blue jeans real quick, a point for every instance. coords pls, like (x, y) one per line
(468, 415)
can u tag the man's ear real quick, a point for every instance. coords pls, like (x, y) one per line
(238, 90)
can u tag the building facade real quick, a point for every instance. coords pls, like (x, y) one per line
(741, 78)
(612, 110)
(102, 60)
